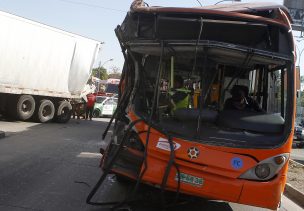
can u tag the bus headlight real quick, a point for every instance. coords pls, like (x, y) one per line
(262, 171)
(266, 169)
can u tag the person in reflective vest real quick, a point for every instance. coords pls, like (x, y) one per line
(180, 95)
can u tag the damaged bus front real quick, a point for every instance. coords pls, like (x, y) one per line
(228, 134)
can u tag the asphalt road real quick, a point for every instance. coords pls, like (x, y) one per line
(54, 166)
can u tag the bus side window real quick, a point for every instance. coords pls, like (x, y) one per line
(277, 92)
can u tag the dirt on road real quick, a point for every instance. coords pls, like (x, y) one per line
(295, 175)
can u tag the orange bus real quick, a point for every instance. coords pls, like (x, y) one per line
(207, 105)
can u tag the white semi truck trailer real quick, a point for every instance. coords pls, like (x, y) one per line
(41, 69)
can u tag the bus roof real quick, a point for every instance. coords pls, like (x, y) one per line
(247, 8)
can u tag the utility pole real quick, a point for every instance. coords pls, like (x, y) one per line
(101, 66)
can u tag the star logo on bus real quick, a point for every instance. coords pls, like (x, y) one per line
(193, 152)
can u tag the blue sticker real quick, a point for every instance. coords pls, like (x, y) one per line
(237, 163)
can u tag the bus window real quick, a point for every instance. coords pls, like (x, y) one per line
(112, 88)
(278, 92)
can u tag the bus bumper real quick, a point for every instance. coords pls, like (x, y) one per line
(263, 194)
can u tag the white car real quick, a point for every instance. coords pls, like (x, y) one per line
(104, 106)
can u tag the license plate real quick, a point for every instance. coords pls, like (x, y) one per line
(189, 179)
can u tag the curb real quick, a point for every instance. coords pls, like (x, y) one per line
(2, 134)
(300, 164)
(294, 194)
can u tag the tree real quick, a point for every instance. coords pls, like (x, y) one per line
(100, 72)
(115, 72)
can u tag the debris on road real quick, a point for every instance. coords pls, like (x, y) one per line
(296, 175)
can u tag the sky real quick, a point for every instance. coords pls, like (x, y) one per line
(95, 19)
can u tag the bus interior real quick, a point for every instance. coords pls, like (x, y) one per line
(210, 83)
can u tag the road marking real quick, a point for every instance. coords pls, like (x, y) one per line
(89, 155)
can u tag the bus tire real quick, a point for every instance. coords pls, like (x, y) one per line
(45, 111)
(25, 107)
(64, 112)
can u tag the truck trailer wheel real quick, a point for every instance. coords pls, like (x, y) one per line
(25, 107)
(46, 111)
(64, 112)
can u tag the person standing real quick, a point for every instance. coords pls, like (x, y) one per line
(180, 95)
(90, 105)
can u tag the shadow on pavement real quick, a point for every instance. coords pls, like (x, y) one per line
(300, 161)
(148, 198)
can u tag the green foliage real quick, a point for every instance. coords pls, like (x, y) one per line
(100, 73)
(114, 75)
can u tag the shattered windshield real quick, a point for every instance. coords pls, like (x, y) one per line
(216, 103)
(219, 81)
